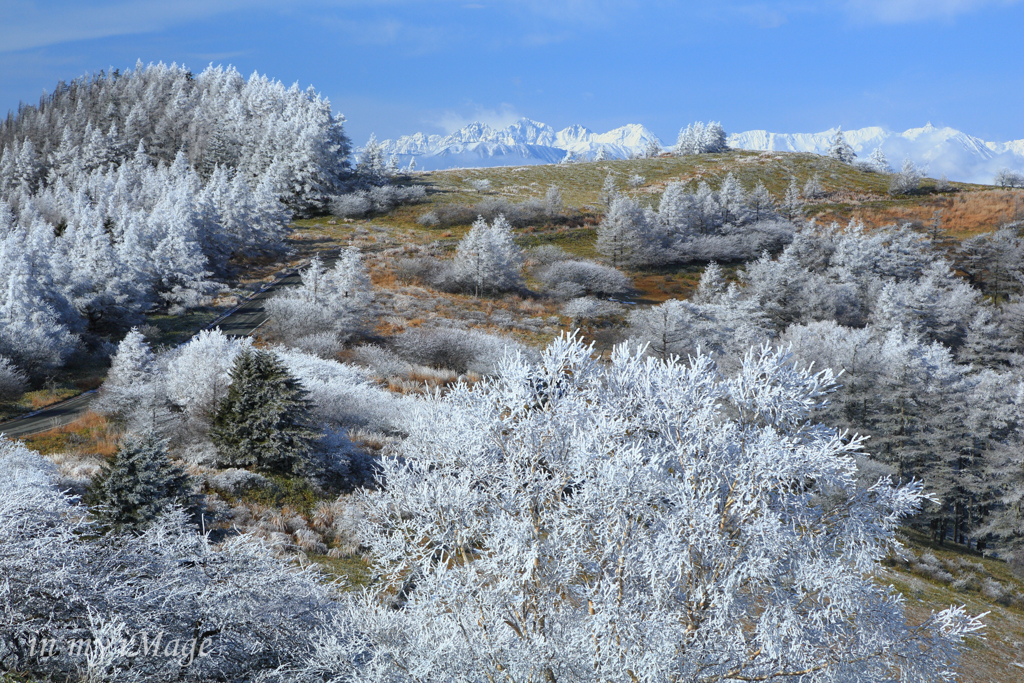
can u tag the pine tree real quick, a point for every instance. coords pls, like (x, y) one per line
(878, 160)
(792, 204)
(264, 421)
(139, 485)
(812, 188)
(127, 387)
(760, 202)
(840, 149)
(623, 234)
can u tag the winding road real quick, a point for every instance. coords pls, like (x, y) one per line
(241, 321)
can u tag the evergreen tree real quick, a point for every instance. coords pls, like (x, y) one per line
(760, 202)
(792, 204)
(878, 160)
(139, 485)
(623, 234)
(840, 149)
(264, 420)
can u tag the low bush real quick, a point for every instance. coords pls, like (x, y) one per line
(570, 279)
(460, 350)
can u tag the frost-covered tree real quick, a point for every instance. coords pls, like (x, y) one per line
(712, 284)
(906, 180)
(12, 380)
(792, 203)
(760, 202)
(609, 190)
(263, 421)
(238, 611)
(129, 384)
(879, 161)
(732, 200)
(638, 520)
(198, 374)
(487, 259)
(553, 203)
(697, 138)
(1008, 178)
(139, 485)
(653, 149)
(813, 188)
(840, 149)
(333, 303)
(624, 234)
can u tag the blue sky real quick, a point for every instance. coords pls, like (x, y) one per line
(401, 66)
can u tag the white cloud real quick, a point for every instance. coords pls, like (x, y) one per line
(903, 11)
(27, 25)
(502, 117)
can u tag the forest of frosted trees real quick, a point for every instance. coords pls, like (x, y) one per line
(125, 192)
(700, 504)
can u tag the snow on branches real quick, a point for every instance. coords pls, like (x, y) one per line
(641, 520)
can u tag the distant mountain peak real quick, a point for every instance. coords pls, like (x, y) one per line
(937, 150)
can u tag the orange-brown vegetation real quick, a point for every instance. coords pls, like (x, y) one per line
(91, 433)
(963, 214)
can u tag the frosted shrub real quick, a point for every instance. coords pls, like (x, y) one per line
(430, 218)
(481, 185)
(353, 205)
(458, 350)
(343, 396)
(575, 278)
(64, 580)
(383, 362)
(641, 520)
(587, 308)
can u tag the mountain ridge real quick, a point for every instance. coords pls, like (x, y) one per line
(958, 155)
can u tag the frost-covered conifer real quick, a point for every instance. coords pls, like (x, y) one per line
(623, 234)
(128, 386)
(760, 202)
(337, 302)
(139, 485)
(609, 190)
(907, 180)
(263, 421)
(840, 149)
(792, 204)
(812, 188)
(487, 259)
(879, 161)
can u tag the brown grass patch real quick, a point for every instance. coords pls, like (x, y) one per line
(92, 433)
(964, 214)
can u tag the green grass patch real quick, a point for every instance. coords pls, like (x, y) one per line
(291, 490)
(353, 570)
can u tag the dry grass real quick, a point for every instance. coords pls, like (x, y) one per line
(90, 434)
(999, 656)
(964, 214)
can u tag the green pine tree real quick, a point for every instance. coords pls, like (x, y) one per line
(139, 485)
(263, 421)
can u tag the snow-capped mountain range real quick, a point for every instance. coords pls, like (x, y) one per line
(960, 156)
